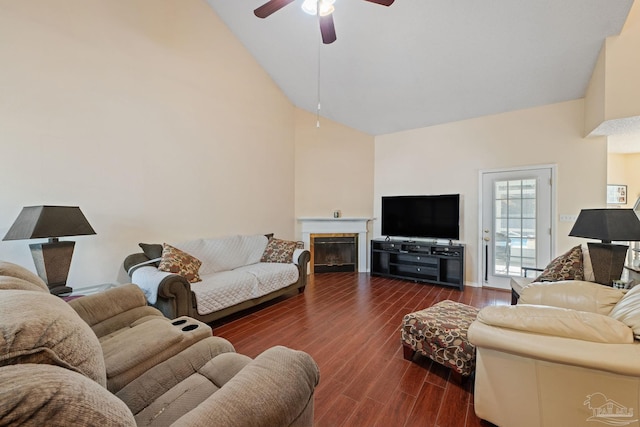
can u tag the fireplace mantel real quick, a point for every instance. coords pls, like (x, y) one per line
(320, 225)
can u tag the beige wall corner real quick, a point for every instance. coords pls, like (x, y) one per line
(334, 168)
(594, 100)
(612, 105)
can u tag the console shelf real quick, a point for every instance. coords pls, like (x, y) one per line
(417, 261)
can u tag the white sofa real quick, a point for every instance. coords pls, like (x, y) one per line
(233, 277)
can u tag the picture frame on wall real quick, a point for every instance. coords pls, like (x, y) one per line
(616, 194)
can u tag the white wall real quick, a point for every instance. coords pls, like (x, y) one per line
(150, 116)
(447, 159)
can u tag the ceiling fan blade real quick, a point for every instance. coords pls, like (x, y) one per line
(271, 6)
(382, 2)
(327, 29)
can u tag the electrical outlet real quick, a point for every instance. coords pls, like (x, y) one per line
(568, 218)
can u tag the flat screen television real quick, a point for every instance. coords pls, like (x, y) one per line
(436, 217)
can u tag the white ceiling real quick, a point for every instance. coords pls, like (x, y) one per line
(419, 63)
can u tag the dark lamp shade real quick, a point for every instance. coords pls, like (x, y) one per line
(607, 225)
(49, 222)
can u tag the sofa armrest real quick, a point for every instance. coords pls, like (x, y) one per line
(301, 258)
(113, 309)
(175, 298)
(572, 294)
(133, 260)
(614, 358)
(559, 322)
(275, 389)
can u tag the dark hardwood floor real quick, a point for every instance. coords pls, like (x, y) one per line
(349, 323)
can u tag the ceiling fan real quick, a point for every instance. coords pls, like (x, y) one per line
(327, 29)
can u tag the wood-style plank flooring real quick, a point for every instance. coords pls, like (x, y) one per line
(349, 323)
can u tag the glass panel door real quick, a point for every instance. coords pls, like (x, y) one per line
(516, 223)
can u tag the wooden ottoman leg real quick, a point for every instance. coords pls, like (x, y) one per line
(408, 351)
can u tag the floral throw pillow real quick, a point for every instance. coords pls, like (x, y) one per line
(567, 266)
(176, 261)
(278, 250)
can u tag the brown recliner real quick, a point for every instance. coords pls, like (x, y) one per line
(134, 336)
(53, 372)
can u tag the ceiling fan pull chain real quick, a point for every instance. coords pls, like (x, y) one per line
(318, 87)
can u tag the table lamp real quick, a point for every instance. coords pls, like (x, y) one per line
(52, 258)
(607, 225)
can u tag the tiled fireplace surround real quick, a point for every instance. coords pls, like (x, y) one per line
(332, 226)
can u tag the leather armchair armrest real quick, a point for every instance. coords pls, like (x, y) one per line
(559, 322)
(614, 358)
(572, 294)
(275, 389)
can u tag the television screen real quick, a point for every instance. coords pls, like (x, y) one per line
(421, 216)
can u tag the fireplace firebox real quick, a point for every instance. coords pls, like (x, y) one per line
(332, 253)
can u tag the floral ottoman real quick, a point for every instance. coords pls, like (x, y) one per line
(440, 333)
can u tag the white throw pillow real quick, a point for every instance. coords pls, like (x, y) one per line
(627, 310)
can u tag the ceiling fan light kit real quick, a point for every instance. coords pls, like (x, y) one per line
(311, 7)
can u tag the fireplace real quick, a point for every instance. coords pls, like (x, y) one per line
(333, 252)
(337, 227)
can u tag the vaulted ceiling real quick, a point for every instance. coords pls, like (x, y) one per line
(420, 63)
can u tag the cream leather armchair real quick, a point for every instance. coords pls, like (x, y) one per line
(564, 356)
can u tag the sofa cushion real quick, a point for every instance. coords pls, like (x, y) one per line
(627, 310)
(567, 266)
(279, 250)
(272, 276)
(228, 288)
(14, 270)
(226, 253)
(45, 329)
(224, 289)
(45, 395)
(177, 261)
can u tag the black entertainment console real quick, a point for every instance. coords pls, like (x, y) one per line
(418, 261)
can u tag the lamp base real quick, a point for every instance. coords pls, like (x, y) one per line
(53, 260)
(607, 261)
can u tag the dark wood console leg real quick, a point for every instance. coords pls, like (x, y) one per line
(407, 351)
